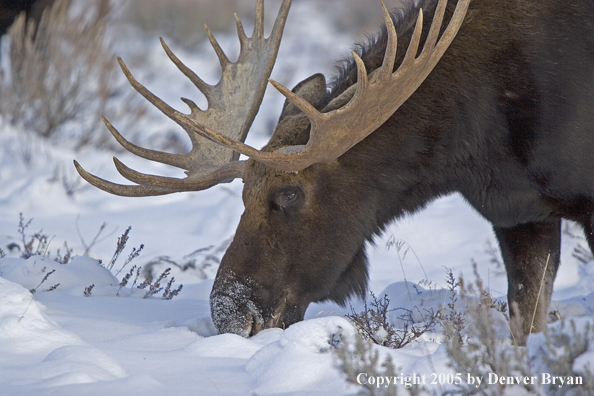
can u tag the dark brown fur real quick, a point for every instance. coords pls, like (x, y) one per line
(506, 119)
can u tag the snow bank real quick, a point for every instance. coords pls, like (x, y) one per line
(38, 353)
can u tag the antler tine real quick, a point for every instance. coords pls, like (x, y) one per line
(391, 46)
(198, 82)
(259, 21)
(231, 170)
(232, 105)
(413, 47)
(223, 60)
(240, 32)
(153, 155)
(150, 185)
(119, 189)
(184, 161)
(435, 27)
(335, 132)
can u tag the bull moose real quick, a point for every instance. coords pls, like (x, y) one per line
(493, 99)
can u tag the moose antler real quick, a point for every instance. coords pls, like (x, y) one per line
(376, 98)
(232, 105)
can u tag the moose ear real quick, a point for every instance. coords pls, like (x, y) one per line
(311, 89)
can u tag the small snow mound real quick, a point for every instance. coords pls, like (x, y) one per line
(224, 345)
(80, 272)
(303, 348)
(37, 350)
(410, 295)
(78, 364)
(203, 326)
(268, 336)
(576, 306)
(314, 336)
(26, 333)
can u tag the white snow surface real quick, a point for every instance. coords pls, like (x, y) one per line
(115, 342)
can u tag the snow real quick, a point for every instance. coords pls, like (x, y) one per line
(115, 342)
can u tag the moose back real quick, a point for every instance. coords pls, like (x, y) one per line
(493, 99)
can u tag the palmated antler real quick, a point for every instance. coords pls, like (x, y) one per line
(376, 98)
(232, 105)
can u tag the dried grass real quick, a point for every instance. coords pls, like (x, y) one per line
(61, 74)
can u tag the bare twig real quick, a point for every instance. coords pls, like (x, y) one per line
(95, 240)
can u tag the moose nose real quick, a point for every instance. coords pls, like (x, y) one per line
(231, 314)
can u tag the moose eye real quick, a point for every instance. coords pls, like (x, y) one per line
(289, 196)
(288, 199)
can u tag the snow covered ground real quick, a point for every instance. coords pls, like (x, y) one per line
(116, 342)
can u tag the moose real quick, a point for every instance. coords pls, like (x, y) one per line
(493, 99)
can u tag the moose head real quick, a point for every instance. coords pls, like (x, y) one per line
(310, 200)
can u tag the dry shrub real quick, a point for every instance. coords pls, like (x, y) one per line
(61, 73)
(476, 349)
(373, 323)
